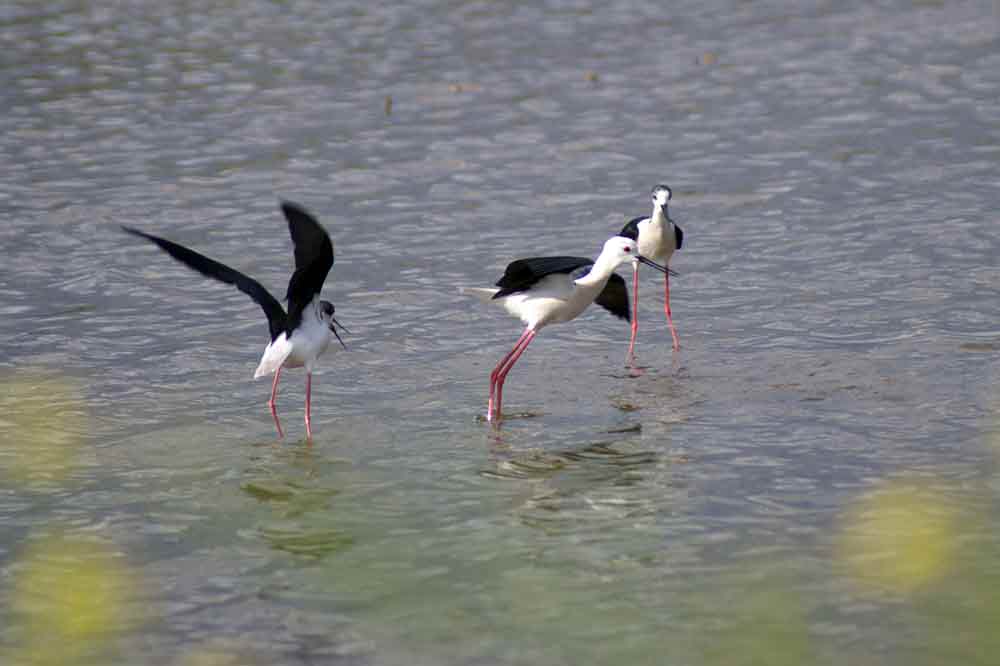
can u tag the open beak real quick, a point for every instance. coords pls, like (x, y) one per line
(653, 264)
(333, 324)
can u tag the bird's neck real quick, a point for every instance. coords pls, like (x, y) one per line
(600, 272)
(659, 216)
(311, 316)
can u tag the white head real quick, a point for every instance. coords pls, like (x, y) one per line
(618, 249)
(661, 196)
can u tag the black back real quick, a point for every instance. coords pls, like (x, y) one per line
(313, 260)
(679, 236)
(631, 228)
(276, 319)
(523, 274)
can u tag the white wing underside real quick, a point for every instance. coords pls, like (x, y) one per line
(274, 356)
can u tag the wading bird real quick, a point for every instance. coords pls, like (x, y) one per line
(551, 290)
(658, 239)
(299, 336)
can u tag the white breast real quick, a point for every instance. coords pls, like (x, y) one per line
(309, 341)
(656, 240)
(305, 345)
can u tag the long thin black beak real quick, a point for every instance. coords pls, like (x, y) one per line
(334, 322)
(653, 264)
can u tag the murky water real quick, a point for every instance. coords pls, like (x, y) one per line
(835, 169)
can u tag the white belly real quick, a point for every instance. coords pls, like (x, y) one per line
(307, 343)
(555, 299)
(657, 241)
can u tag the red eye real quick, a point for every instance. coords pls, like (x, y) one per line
(627, 249)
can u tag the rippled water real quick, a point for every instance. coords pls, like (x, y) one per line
(835, 169)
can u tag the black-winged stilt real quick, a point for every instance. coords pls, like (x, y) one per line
(551, 290)
(299, 336)
(658, 239)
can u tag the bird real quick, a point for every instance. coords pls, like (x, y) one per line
(299, 336)
(658, 237)
(552, 290)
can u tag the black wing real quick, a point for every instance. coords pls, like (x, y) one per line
(522, 274)
(213, 269)
(631, 228)
(678, 236)
(614, 297)
(313, 259)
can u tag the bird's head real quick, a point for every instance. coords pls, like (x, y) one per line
(661, 196)
(619, 249)
(326, 311)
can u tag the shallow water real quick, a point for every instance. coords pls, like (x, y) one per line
(834, 168)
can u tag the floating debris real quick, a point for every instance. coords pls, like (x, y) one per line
(624, 405)
(625, 429)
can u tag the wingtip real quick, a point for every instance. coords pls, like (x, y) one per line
(289, 207)
(296, 213)
(136, 232)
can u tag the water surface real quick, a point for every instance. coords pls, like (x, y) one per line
(834, 167)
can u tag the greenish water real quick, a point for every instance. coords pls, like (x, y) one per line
(811, 479)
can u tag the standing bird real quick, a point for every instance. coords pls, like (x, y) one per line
(658, 239)
(551, 290)
(299, 336)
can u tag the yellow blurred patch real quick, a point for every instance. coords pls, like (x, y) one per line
(70, 598)
(43, 420)
(899, 537)
(216, 655)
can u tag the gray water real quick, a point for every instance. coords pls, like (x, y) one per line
(835, 170)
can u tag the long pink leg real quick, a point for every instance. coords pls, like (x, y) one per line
(630, 359)
(502, 376)
(496, 373)
(309, 381)
(272, 404)
(666, 308)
